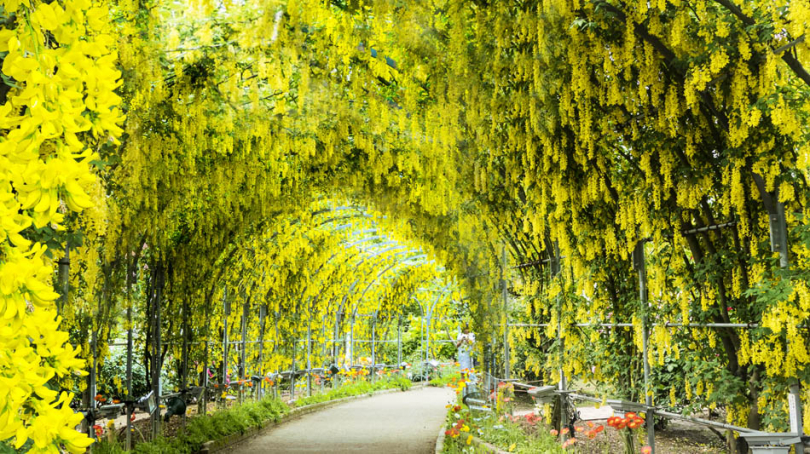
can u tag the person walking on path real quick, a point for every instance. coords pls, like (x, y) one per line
(464, 344)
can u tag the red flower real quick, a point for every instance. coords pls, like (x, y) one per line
(646, 450)
(634, 424)
(457, 408)
(630, 415)
(99, 398)
(591, 434)
(132, 418)
(565, 430)
(99, 430)
(599, 428)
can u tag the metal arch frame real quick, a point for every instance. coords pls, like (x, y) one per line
(378, 253)
(346, 296)
(427, 318)
(374, 314)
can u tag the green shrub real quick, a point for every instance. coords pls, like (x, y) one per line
(212, 427)
(240, 418)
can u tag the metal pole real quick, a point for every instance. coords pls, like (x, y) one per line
(779, 243)
(373, 350)
(260, 386)
(292, 370)
(91, 378)
(638, 262)
(505, 314)
(227, 310)
(399, 342)
(351, 340)
(184, 376)
(158, 390)
(128, 445)
(309, 356)
(64, 279)
(323, 350)
(336, 340)
(243, 348)
(555, 273)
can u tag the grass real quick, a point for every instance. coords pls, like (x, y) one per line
(356, 388)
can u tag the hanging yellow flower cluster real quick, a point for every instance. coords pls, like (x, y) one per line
(59, 105)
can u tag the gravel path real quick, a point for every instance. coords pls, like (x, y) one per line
(401, 422)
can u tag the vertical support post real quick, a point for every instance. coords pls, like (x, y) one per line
(373, 349)
(203, 407)
(128, 444)
(227, 310)
(184, 353)
(399, 342)
(243, 350)
(427, 344)
(309, 356)
(64, 279)
(323, 351)
(336, 340)
(555, 273)
(260, 386)
(505, 296)
(91, 377)
(292, 370)
(638, 263)
(779, 243)
(351, 340)
(156, 362)
(204, 403)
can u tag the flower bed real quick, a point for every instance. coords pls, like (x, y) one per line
(468, 431)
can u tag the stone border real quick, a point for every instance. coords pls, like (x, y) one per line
(221, 444)
(440, 440)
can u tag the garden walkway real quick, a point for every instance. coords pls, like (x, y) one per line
(401, 422)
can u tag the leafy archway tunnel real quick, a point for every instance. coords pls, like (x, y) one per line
(180, 162)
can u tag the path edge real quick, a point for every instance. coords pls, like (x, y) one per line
(221, 444)
(440, 440)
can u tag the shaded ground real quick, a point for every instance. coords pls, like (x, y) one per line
(400, 422)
